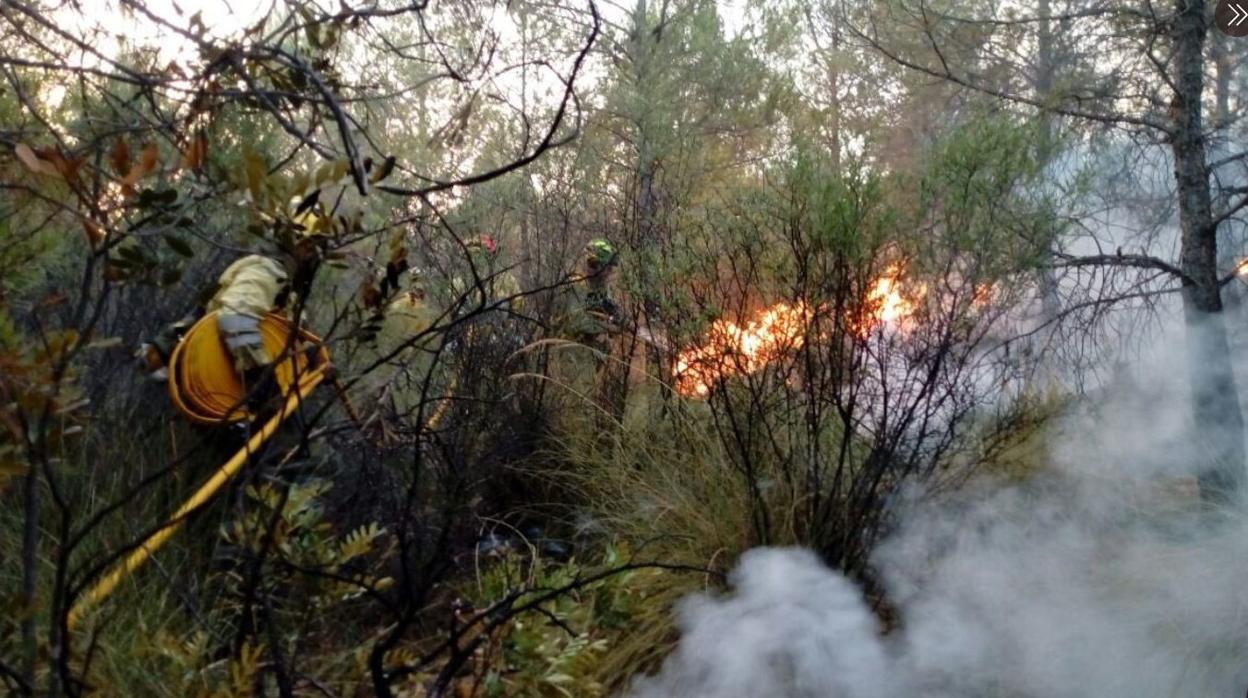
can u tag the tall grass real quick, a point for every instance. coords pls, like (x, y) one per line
(663, 483)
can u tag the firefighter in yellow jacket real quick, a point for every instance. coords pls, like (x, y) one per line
(487, 282)
(591, 319)
(398, 357)
(247, 290)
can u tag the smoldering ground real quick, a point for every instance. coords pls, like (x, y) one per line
(1100, 577)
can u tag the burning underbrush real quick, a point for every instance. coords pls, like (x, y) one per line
(774, 333)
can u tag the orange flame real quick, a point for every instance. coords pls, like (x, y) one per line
(885, 303)
(734, 350)
(730, 349)
(983, 295)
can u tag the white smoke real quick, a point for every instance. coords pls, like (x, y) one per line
(1101, 578)
(792, 628)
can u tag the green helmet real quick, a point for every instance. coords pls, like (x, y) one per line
(601, 252)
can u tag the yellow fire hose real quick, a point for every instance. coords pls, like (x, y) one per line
(205, 387)
(203, 384)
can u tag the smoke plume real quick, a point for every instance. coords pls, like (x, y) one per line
(1102, 577)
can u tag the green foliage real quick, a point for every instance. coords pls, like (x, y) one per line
(558, 649)
(311, 566)
(977, 190)
(291, 568)
(668, 486)
(191, 674)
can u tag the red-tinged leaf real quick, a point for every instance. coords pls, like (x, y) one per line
(12, 425)
(148, 160)
(370, 295)
(11, 465)
(384, 171)
(114, 272)
(120, 156)
(193, 156)
(52, 300)
(66, 167)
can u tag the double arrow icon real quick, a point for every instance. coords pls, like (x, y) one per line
(1240, 15)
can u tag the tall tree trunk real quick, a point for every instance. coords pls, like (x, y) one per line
(649, 242)
(1228, 253)
(834, 87)
(1046, 277)
(1046, 59)
(1219, 422)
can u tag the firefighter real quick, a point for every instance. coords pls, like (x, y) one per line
(408, 315)
(487, 281)
(247, 290)
(594, 313)
(592, 319)
(485, 338)
(250, 288)
(399, 355)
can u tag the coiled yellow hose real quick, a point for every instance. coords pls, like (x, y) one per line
(205, 387)
(203, 384)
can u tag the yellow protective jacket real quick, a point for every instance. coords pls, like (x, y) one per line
(247, 290)
(400, 377)
(590, 313)
(497, 286)
(250, 286)
(406, 317)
